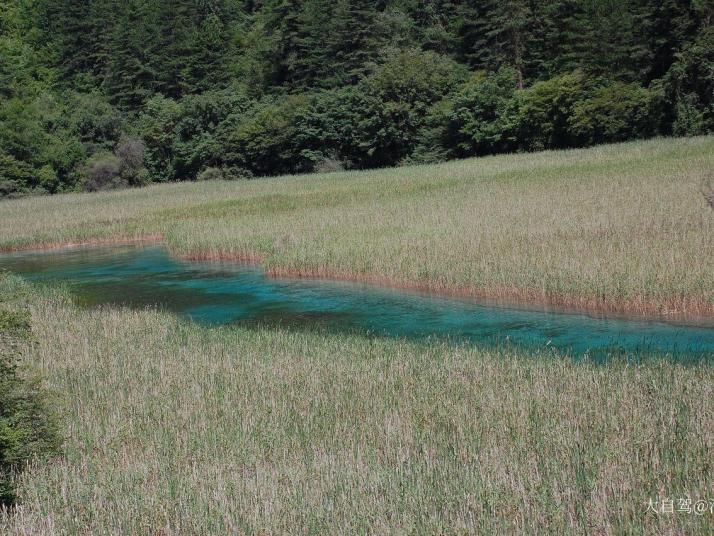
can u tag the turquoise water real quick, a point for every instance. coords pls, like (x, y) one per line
(216, 294)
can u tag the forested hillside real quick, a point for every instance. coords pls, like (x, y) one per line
(97, 94)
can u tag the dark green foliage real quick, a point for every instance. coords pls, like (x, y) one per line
(27, 426)
(617, 112)
(497, 34)
(545, 110)
(157, 125)
(196, 143)
(33, 136)
(324, 126)
(389, 107)
(479, 118)
(352, 40)
(689, 116)
(690, 83)
(103, 172)
(91, 119)
(261, 140)
(15, 175)
(182, 136)
(280, 86)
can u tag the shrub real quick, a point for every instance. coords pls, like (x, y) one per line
(47, 178)
(93, 120)
(211, 174)
(377, 122)
(8, 188)
(379, 132)
(103, 172)
(195, 143)
(479, 118)
(28, 428)
(157, 125)
(45, 132)
(15, 176)
(689, 116)
(182, 136)
(689, 83)
(390, 107)
(419, 78)
(262, 139)
(616, 112)
(224, 174)
(130, 152)
(545, 109)
(323, 127)
(329, 165)
(486, 114)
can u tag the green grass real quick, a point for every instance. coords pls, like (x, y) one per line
(173, 428)
(619, 227)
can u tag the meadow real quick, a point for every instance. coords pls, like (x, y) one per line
(176, 428)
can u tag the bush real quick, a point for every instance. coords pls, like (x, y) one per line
(379, 132)
(486, 114)
(689, 83)
(53, 133)
(616, 112)
(124, 167)
(262, 139)
(182, 136)
(103, 172)
(329, 165)
(15, 176)
(47, 179)
(323, 127)
(689, 116)
(224, 174)
(211, 174)
(377, 122)
(130, 152)
(389, 108)
(479, 118)
(416, 77)
(28, 428)
(93, 120)
(545, 109)
(157, 125)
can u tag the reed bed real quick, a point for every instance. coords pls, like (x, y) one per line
(613, 228)
(173, 428)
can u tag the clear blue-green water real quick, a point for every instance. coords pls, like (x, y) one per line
(218, 294)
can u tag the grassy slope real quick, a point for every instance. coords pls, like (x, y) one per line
(174, 428)
(618, 227)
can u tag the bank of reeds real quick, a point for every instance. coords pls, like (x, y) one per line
(173, 428)
(615, 228)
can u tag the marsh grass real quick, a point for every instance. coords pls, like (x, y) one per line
(174, 428)
(616, 228)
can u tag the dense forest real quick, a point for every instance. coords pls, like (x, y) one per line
(98, 94)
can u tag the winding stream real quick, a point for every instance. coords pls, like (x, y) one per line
(217, 293)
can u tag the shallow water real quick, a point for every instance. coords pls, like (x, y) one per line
(217, 293)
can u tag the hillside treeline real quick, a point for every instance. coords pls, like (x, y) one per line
(97, 94)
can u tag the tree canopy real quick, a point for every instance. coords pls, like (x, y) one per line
(260, 87)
